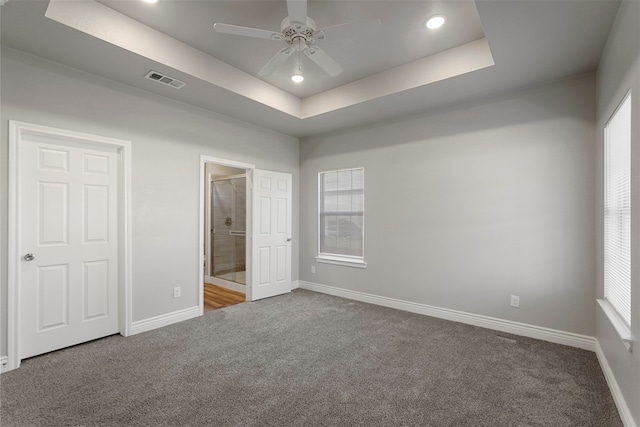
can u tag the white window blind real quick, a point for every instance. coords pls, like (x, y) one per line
(617, 211)
(341, 213)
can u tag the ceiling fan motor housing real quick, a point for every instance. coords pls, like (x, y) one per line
(296, 31)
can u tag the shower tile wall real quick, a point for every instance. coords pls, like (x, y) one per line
(229, 201)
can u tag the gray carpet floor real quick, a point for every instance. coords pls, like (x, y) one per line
(309, 359)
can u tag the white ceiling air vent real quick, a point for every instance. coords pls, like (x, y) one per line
(169, 81)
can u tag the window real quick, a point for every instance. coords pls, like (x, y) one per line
(617, 216)
(341, 217)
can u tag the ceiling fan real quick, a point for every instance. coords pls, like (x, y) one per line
(300, 34)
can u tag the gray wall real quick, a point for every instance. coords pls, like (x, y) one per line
(467, 206)
(619, 72)
(167, 141)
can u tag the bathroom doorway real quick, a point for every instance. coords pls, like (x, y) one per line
(226, 239)
(267, 230)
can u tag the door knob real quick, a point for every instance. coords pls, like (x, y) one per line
(29, 257)
(289, 239)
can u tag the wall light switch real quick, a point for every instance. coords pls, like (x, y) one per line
(313, 269)
(176, 292)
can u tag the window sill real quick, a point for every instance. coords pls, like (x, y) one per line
(346, 262)
(618, 324)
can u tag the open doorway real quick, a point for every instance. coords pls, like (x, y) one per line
(265, 270)
(225, 249)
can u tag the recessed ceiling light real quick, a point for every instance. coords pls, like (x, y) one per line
(435, 22)
(297, 78)
(150, 1)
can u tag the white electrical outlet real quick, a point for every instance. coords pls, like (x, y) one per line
(313, 269)
(176, 292)
(515, 301)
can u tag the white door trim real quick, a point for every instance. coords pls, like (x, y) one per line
(16, 131)
(201, 223)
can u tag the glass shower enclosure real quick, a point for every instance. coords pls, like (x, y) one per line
(228, 220)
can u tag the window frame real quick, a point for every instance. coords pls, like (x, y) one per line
(617, 320)
(333, 258)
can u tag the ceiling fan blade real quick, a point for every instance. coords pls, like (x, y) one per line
(297, 11)
(277, 60)
(247, 32)
(323, 60)
(351, 29)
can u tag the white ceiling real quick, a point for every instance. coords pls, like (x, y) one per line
(398, 70)
(399, 39)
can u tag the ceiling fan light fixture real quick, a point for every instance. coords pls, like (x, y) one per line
(435, 22)
(150, 1)
(300, 34)
(297, 78)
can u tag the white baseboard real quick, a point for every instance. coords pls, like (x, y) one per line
(4, 364)
(546, 334)
(295, 284)
(618, 397)
(164, 320)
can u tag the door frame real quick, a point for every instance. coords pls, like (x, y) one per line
(201, 224)
(17, 130)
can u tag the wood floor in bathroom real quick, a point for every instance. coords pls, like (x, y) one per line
(218, 297)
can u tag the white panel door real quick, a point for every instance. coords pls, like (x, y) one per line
(68, 235)
(271, 272)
